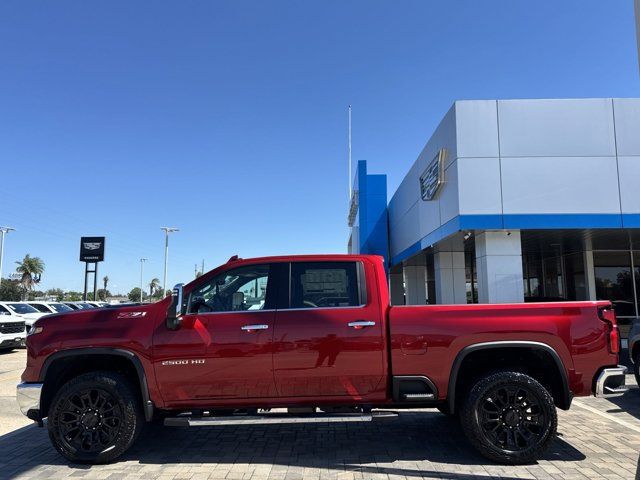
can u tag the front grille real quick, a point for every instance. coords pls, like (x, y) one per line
(13, 327)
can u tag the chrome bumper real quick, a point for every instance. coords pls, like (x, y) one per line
(611, 382)
(28, 396)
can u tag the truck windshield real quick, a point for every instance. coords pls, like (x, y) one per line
(60, 307)
(21, 308)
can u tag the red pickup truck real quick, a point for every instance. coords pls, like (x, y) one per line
(313, 339)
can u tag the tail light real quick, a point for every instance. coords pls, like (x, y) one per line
(608, 316)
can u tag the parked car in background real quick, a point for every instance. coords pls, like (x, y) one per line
(12, 330)
(50, 307)
(27, 312)
(634, 348)
(98, 304)
(79, 305)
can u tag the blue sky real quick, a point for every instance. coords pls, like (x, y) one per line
(228, 119)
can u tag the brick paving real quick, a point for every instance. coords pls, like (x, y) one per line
(415, 445)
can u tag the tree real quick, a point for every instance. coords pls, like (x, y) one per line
(105, 282)
(58, 293)
(134, 295)
(31, 269)
(10, 290)
(33, 294)
(103, 294)
(153, 287)
(73, 296)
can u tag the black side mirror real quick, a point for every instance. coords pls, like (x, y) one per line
(174, 314)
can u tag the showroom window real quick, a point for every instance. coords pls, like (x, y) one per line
(614, 281)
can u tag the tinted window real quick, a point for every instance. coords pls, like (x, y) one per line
(4, 311)
(21, 308)
(239, 289)
(40, 308)
(324, 284)
(60, 307)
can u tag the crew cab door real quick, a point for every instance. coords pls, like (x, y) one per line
(329, 339)
(223, 349)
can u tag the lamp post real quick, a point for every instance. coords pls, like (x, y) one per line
(167, 231)
(142, 260)
(3, 231)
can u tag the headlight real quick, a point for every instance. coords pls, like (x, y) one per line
(34, 330)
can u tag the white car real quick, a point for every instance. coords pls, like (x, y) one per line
(50, 307)
(13, 329)
(27, 312)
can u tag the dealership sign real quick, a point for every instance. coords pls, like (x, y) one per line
(433, 177)
(92, 249)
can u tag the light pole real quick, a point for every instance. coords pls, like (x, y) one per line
(142, 260)
(3, 230)
(167, 231)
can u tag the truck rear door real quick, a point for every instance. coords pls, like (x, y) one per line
(328, 340)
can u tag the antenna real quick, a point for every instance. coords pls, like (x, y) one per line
(350, 193)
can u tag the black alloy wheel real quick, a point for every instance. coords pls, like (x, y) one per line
(509, 417)
(94, 418)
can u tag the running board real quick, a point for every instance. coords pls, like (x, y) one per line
(275, 418)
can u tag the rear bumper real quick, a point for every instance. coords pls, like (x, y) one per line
(611, 382)
(28, 396)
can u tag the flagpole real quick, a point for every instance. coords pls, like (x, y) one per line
(350, 185)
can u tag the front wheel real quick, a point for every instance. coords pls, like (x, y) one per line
(94, 418)
(509, 417)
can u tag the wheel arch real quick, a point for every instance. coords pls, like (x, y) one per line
(67, 356)
(565, 396)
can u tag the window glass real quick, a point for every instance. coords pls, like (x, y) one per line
(4, 311)
(61, 307)
(239, 289)
(40, 307)
(21, 308)
(614, 282)
(324, 284)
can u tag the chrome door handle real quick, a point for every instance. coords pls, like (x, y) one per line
(251, 328)
(361, 324)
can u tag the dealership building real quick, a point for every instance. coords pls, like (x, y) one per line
(512, 201)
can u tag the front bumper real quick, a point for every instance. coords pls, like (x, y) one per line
(28, 396)
(611, 382)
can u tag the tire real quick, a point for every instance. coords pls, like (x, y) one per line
(494, 418)
(95, 417)
(636, 368)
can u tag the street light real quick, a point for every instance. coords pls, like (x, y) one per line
(167, 231)
(142, 260)
(3, 230)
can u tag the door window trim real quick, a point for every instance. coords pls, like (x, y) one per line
(360, 278)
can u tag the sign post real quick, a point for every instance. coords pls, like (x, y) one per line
(91, 251)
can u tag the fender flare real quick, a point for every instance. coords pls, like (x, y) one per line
(147, 404)
(564, 402)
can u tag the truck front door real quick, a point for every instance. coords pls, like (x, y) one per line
(329, 339)
(224, 348)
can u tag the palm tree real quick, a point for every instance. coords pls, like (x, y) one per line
(105, 281)
(153, 286)
(31, 269)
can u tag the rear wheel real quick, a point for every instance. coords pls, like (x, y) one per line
(509, 417)
(636, 367)
(94, 418)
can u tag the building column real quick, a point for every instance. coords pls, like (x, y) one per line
(396, 286)
(499, 267)
(415, 280)
(449, 269)
(590, 275)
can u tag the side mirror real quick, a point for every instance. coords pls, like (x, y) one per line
(174, 314)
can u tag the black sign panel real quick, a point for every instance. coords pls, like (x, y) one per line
(91, 249)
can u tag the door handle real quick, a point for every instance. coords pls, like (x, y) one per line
(361, 324)
(253, 328)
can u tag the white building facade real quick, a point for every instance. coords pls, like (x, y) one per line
(519, 200)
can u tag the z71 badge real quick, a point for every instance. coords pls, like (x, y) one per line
(131, 314)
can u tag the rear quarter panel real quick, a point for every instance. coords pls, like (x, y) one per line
(425, 340)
